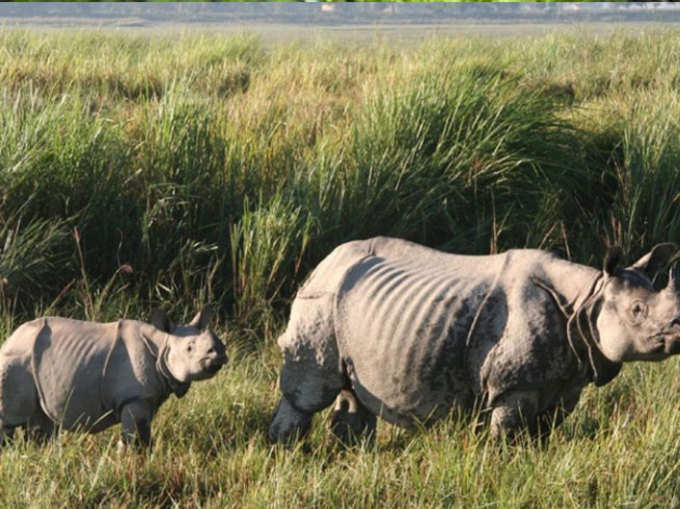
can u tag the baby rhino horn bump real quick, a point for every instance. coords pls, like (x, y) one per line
(203, 318)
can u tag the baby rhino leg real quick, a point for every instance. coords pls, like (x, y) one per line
(351, 420)
(19, 403)
(135, 418)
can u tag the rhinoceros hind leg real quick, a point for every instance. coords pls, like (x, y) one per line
(351, 420)
(288, 423)
(307, 386)
(40, 427)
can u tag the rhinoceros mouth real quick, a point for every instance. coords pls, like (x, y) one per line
(666, 342)
(212, 365)
(213, 368)
(671, 340)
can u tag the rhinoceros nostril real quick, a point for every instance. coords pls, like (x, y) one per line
(675, 322)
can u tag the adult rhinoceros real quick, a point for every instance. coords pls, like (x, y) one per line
(405, 332)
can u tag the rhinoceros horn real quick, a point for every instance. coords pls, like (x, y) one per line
(674, 280)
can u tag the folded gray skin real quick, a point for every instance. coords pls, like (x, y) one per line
(90, 376)
(404, 332)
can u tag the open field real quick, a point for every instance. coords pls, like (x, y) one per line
(147, 170)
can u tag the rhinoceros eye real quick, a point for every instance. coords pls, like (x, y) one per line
(638, 310)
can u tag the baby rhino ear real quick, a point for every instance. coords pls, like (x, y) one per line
(160, 320)
(612, 260)
(203, 318)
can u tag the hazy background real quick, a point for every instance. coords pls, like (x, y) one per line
(276, 20)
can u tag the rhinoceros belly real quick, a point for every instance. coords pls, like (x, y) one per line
(402, 328)
(68, 364)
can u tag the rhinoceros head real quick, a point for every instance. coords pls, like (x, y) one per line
(193, 351)
(635, 321)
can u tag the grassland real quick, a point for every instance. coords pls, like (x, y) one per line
(143, 171)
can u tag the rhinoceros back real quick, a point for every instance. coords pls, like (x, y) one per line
(402, 324)
(69, 358)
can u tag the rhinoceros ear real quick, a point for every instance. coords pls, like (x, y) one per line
(612, 259)
(656, 259)
(160, 320)
(203, 318)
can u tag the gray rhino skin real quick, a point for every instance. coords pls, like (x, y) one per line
(90, 376)
(404, 332)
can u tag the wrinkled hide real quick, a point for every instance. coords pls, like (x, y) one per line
(84, 374)
(413, 332)
(84, 377)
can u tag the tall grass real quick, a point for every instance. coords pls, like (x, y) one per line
(32, 257)
(138, 171)
(214, 150)
(647, 208)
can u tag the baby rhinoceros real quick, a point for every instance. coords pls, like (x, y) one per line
(407, 333)
(90, 376)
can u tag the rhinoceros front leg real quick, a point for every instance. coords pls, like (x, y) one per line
(514, 412)
(135, 418)
(351, 419)
(518, 410)
(553, 416)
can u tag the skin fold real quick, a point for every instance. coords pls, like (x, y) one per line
(388, 328)
(85, 375)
